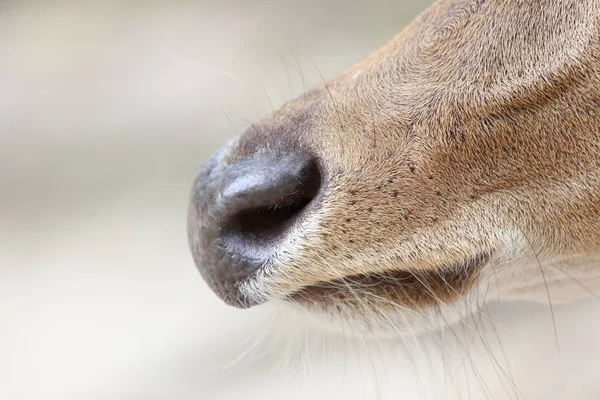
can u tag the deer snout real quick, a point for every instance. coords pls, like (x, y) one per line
(241, 212)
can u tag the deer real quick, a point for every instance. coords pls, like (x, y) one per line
(460, 159)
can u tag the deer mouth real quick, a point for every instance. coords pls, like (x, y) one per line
(406, 288)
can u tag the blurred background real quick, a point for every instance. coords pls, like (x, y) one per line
(107, 110)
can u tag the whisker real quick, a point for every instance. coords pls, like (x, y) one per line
(543, 274)
(457, 293)
(287, 75)
(250, 348)
(335, 107)
(268, 97)
(411, 359)
(300, 71)
(229, 120)
(577, 281)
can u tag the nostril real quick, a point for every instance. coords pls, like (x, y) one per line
(264, 199)
(268, 222)
(240, 212)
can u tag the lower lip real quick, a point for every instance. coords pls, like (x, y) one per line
(416, 287)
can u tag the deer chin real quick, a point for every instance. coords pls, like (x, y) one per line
(406, 303)
(403, 288)
(394, 302)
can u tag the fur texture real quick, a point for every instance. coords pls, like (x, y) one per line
(461, 159)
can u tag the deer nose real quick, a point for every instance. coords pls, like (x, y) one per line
(239, 215)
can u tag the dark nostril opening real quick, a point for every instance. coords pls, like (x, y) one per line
(271, 208)
(241, 211)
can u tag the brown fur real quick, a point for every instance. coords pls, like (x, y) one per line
(474, 131)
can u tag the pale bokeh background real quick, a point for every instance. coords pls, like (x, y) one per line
(107, 108)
